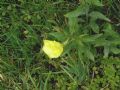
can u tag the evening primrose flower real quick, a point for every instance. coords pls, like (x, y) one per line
(52, 48)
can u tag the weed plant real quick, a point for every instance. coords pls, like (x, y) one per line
(89, 30)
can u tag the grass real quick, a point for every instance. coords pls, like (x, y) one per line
(90, 64)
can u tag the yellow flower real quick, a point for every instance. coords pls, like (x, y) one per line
(52, 48)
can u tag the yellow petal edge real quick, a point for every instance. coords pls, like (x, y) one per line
(52, 48)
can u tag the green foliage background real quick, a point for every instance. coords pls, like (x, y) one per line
(90, 30)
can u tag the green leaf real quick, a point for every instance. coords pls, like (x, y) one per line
(90, 55)
(91, 38)
(81, 10)
(109, 71)
(68, 47)
(73, 24)
(97, 15)
(58, 35)
(101, 42)
(110, 31)
(116, 42)
(115, 50)
(77, 68)
(106, 51)
(94, 27)
(96, 2)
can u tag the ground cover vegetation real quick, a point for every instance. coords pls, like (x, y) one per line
(88, 29)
